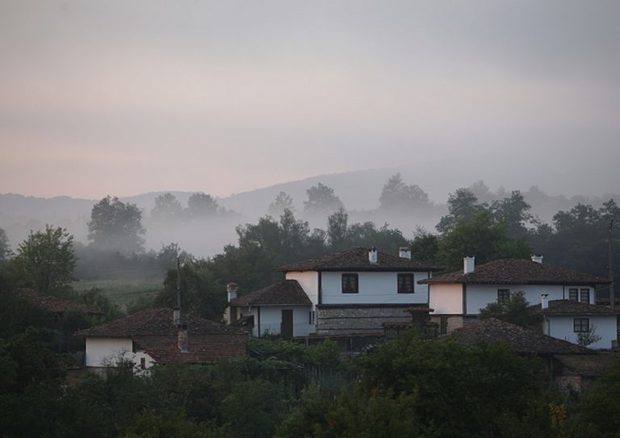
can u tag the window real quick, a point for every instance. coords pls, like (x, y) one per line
(503, 296)
(584, 295)
(349, 284)
(142, 363)
(573, 294)
(311, 317)
(581, 325)
(405, 283)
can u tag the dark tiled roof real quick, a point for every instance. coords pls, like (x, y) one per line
(517, 271)
(202, 348)
(155, 322)
(587, 365)
(568, 307)
(518, 339)
(356, 259)
(286, 292)
(55, 304)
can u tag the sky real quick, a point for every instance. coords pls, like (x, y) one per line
(125, 97)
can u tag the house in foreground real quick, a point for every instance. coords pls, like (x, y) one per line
(157, 336)
(457, 297)
(355, 291)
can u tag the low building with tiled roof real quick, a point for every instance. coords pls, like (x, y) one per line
(353, 291)
(281, 308)
(517, 338)
(585, 323)
(152, 336)
(458, 296)
(572, 366)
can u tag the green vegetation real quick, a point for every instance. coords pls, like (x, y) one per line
(123, 293)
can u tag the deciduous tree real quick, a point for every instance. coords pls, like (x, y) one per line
(116, 226)
(45, 260)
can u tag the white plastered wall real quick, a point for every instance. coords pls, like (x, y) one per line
(309, 281)
(446, 299)
(101, 352)
(374, 288)
(562, 327)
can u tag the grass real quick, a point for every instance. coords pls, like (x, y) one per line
(122, 292)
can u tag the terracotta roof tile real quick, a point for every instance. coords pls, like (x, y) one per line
(286, 292)
(356, 259)
(568, 307)
(517, 271)
(202, 348)
(518, 339)
(155, 322)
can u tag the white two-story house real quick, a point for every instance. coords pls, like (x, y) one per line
(459, 296)
(353, 291)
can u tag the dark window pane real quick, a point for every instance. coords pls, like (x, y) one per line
(503, 295)
(585, 296)
(572, 294)
(405, 284)
(349, 283)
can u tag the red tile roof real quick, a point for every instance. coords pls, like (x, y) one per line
(356, 259)
(155, 322)
(517, 271)
(517, 338)
(568, 307)
(286, 292)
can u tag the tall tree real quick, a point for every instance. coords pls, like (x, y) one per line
(515, 213)
(321, 201)
(397, 196)
(462, 206)
(167, 207)
(337, 229)
(480, 236)
(116, 226)
(5, 247)
(201, 205)
(282, 202)
(45, 260)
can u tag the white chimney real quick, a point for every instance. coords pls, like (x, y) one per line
(176, 316)
(372, 255)
(544, 301)
(183, 339)
(537, 258)
(404, 252)
(469, 264)
(231, 289)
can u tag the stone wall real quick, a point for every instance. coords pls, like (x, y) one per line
(350, 319)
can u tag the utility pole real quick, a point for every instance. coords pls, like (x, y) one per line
(178, 283)
(610, 261)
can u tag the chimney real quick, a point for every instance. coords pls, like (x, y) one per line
(537, 258)
(232, 288)
(404, 252)
(469, 264)
(544, 301)
(176, 316)
(183, 339)
(372, 255)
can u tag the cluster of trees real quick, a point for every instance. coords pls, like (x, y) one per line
(408, 387)
(199, 206)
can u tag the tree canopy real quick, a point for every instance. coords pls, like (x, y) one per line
(116, 226)
(397, 196)
(321, 201)
(45, 260)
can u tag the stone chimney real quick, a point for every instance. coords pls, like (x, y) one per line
(469, 264)
(404, 252)
(231, 289)
(373, 257)
(183, 339)
(544, 301)
(176, 316)
(537, 258)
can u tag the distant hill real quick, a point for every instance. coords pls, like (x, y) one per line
(359, 191)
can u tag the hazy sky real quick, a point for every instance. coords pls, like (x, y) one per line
(123, 97)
